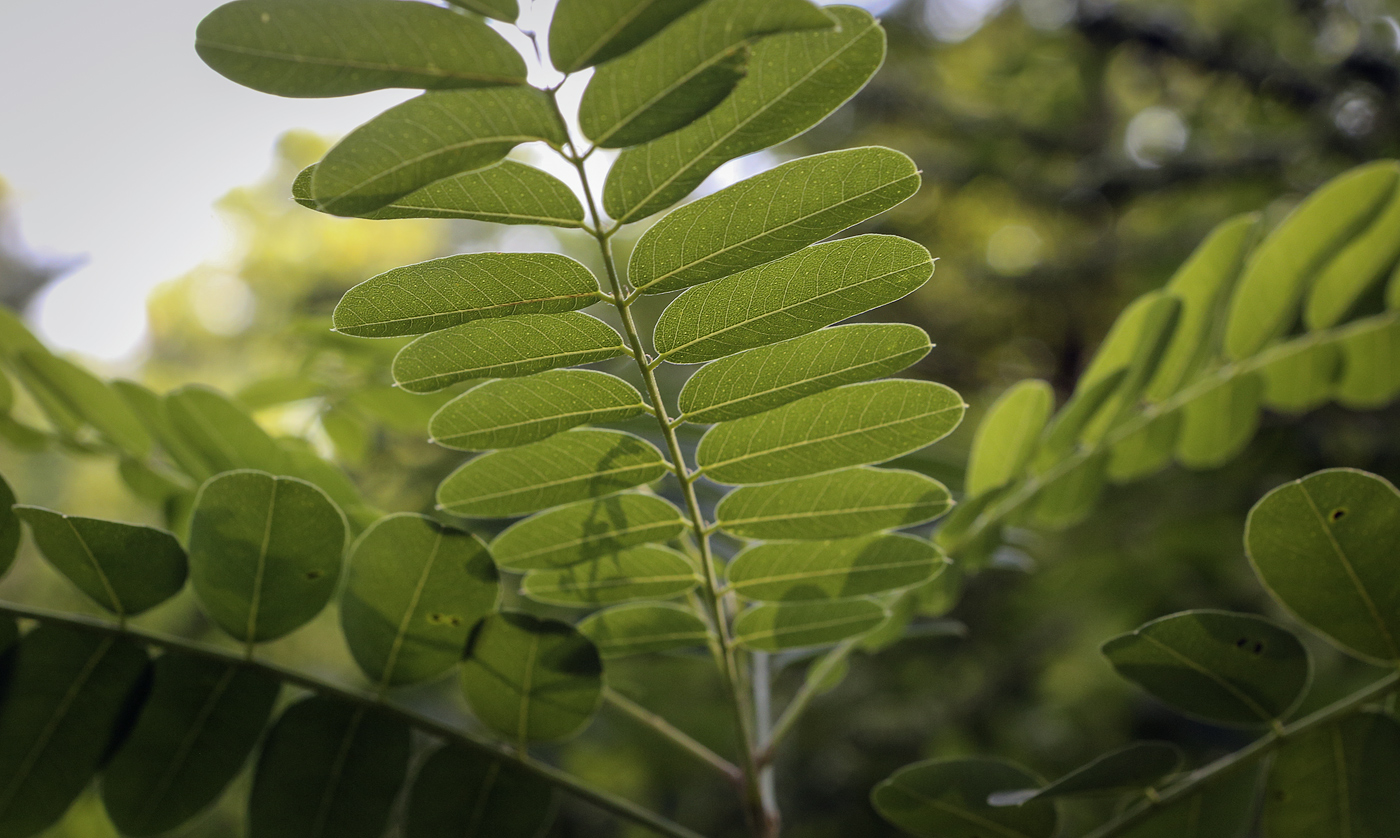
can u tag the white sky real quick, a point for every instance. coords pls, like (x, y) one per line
(116, 141)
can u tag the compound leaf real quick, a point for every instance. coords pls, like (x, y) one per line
(1131, 768)
(1357, 268)
(838, 504)
(1147, 450)
(1070, 497)
(1336, 780)
(88, 397)
(510, 412)
(787, 625)
(10, 529)
(588, 32)
(948, 799)
(220, 435)
(840, 569)
(1007, 436)
(1223, 808)
(1302, 380)
(590, 529)
(506, 193)
(465, 794)
(414, 590)
(644, 572)
(1371, 365)
(507, 10)
(458, 289)
(642, 628)
(1218, 424)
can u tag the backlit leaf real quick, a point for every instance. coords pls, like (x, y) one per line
(1007, 436)
(797, 294)
(645, 572)
(1069, 498)
(426, 139)
(769, 216)
(1357, 268)
(641, 628)
(192, 738)
(1336, 780)
(1234, 669)
(1133, 767)
(1302, 380)
(328, 769)
(1136, 344)
(465, 794)
(794, 81)
(766, 377)
(586, 530)
(90, 398)
(1370, 366)
(414, 591)
(265, 553)
(1062, 435)
(532, 680)
(838, 504)
(572, 466)
(219, 434)
(507, 347)
(516, 411)
(825, 570)
(588, 32)
(313, 48)
(1219, 423)
(506, 193)
(948, 799)
(1223, 808)
(125, 568)
(64, 699)
(1324, 546)
(1145, 451)
(853, 425)
(787, 625)
(446, 292)
(684, 71)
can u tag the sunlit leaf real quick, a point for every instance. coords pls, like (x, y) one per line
(1371, 366)
(506, 193)
(91, 399)
(152, 411)
(125, 568)
(645, 572)
(1324, 546)
(824, 570)
(507, 10)
(948, 799)
(502, 348)
(586, 530)
(1223, 808)
(1007, 436)
(465, 794)
(328, 769)
(1145, 451)
(1303, 380)
(1062, 435)
(684, 71)
(794, 81)
(532, 680)
(413, 592)
(192, 738)
(1336, 780)
(1219, 423)
(816, 287)
(313, 48)
(1133, 767)
(517, 411)
(65, 694)
(219, 434)
(1069, 498)
(1357, 268)
(642, 628)
(853, 425)
(265, 553)
(766, 377)
(572, 466)
(446, 292)
(838, 504)
(789, 625)
(1234, 669)
(426, 139)
(1136, 344)
(588, 32)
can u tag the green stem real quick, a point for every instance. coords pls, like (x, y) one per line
(677, 736)
(1201, 776)
(624, 809)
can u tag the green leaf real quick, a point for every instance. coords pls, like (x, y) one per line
(1357, 268)
(458, 289)
(510, 412)
(316, 48)
(769, 216)
(1137, 343)
(826, 570)
(590, 529)
(426, 139)
(588, 32)
(193, 736)
(1371, 366)
(1392, 290)
(219, 434)
(265, 553)
(152, 411)
(642, 628)
(645, 572)
(1232, 669)
(413, 593)
(328, 769)
(1223, 808)
(508, 347)
(1069, 498)
(506, 193)
(684, 71)
(64, 701)
(795, 80)
(10, 529)
(90, 398)
(797, 294)
(572, 466)
(532, 680)
(940, 594)
(1324, 546)
(1133, 767)
(1219, 423)
(1265, 303)
(507, 10)
(853, 425)
(838, 504)
(948, 799)
(125, 568)
(1062, 435)
(1145, 451)
(1336, 780)
(1007, 436)
(1202, 284)
(465, 794)
(9, 633)
(1302, 380)
(766, 377)
(787, 625)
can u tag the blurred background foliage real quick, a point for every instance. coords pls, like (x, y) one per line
(1073, 154)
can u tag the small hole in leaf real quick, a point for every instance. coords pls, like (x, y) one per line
(445, 619)
(313, 575)
(1242, 642)
(1258, 647)
(1338, 514)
